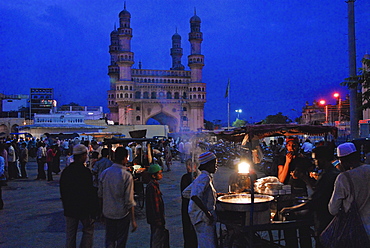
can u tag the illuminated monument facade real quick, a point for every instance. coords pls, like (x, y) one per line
(173, 97)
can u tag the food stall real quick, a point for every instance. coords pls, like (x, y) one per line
(138, 171)
(243, 216)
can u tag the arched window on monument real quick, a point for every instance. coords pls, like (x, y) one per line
(154, 95)
(169, 95)
(184, 95)
(177, 95)
(146, 95)
(138, 118)
(137, 94)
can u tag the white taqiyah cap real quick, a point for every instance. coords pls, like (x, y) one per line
(345, 149)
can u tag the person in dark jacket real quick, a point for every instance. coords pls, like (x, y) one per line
(155, 209)
(190, 236)
(324, 187)
(79, 198)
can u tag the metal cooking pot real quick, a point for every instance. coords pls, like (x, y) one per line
(241, 202)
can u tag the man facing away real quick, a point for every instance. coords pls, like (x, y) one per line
(23, 159)
(100, 165)
(342, 196)
(190, 237)
(41, 160)
(79, 198)
(116, 189)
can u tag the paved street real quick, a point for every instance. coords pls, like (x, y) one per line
(33, 213)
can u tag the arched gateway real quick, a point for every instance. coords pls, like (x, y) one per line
(165, 119)
(174, 97)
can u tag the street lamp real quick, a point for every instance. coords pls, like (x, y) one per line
(339, 103)
(323, 102)
(238, 111)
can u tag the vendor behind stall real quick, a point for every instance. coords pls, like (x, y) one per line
(318, 204)
(292, 166)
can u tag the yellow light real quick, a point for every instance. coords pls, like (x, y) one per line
(336, 95)
(243, 168)
(322, 102)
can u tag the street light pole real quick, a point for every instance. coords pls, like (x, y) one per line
(238, 111)
(352, 69)
(339, 103)
(323, 103)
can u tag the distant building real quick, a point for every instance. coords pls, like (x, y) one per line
(59, 123)
(42, 101)
(14, 106)
(317, 114)
(89, 112)
(173, 97)
(366, 112)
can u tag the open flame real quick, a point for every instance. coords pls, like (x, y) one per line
(243, 168)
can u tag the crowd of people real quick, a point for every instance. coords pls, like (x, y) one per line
(316, 174)
(97, 183)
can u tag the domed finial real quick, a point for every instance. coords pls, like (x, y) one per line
(195, 11)
(124, 5)
(176, 29)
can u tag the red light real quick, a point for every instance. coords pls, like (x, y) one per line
(322, 102)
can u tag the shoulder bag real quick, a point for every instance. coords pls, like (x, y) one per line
(346, 230)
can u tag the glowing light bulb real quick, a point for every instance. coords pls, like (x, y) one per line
(243, 168)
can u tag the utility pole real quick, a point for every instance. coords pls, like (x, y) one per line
(352, 69)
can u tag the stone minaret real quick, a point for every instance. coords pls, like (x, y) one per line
(195, 59)
(197, 89)
(176, 52)
(119, 73)
(125, 56)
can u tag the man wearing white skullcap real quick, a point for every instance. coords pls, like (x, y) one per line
(359, 174)
(203, 201)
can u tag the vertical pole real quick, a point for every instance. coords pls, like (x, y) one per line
(339, 110)
(228, 106)
(326, 114)
(30, 109)
(352, 69)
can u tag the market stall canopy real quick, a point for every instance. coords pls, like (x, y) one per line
(247, 133)
(138, 133)
(126, 140)
(25, 134)
(102, 134)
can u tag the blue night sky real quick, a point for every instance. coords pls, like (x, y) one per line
(277, 54)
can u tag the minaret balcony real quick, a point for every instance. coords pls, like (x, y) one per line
(196, 36)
